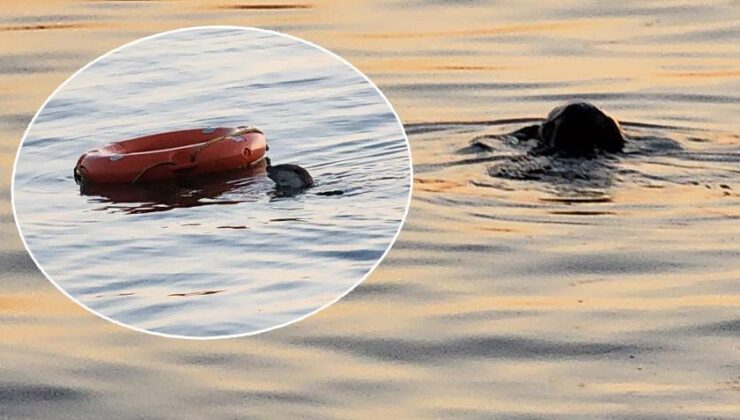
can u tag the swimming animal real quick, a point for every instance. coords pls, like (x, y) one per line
(577, 129)
(288, 176)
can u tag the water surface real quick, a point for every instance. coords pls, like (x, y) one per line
(503, 298)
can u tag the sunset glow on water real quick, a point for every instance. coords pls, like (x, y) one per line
(502, 297)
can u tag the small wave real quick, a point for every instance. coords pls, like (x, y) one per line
(271, 6)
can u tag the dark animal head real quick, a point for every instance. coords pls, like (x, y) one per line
(289, 176)
(581, 129)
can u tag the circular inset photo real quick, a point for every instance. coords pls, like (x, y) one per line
(212, 182)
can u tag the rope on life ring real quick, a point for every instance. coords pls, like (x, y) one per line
(238, 132)
(150, 167)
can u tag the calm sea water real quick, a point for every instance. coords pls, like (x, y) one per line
(553, 297)
(221, 255)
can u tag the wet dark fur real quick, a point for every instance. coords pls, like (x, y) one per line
(305, 178)
(287, 171)
(575, 130)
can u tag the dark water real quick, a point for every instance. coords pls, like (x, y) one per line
(654, 156)
(222, 255)
(550, 297)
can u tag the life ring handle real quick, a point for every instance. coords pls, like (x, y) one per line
(238, 132)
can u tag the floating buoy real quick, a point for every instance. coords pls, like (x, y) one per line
(171, 155)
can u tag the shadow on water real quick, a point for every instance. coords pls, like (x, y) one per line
(515, 159)
(12, 394)
(172, 194)
(476, 347)
(522, 162)
(488, 156)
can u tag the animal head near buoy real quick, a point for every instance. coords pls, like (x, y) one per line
(580, 129)
(289, 176)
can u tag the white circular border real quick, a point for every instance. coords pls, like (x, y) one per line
(216, 337)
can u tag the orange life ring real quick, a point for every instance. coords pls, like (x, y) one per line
(172, 154)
